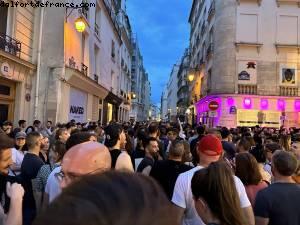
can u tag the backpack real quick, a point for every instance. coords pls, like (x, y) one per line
(27, 129)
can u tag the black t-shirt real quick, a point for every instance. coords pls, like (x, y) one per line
(46, 161)
(147, 161)
(138, 153)
(166, 172)
(280, 202)
(29, 169)
(114, 157)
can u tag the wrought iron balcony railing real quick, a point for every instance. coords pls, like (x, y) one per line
(202, 61)
(211, 11)
(203, 28)
(10, 45)
(210, 50)
(72, 63)
(96, 78)
(84, 69)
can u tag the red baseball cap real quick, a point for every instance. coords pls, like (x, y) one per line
(210, 145)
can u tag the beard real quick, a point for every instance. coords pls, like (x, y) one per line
(155, 155)
(42, 146)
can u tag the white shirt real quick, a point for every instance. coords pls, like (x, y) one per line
(17, 158)
(183, 197)
(53, 187)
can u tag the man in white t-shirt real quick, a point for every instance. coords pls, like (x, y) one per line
(209, 150)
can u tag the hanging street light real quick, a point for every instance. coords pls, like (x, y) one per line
(133, 96)
(191, 77)
(80, 24)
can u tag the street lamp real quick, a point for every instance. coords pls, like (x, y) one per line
(80, 24)
(188, 111)
(191, 77)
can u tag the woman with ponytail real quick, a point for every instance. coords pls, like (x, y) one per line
(215, 195)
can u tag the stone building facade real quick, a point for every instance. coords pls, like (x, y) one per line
(140, 86)
(247, 58)
(51, 71)
(19, 38)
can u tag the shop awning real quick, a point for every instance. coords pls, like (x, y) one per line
(85, 83)
(113, 99)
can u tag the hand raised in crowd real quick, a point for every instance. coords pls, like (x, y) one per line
(15, 191)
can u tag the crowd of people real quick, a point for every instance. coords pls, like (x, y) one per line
(148, 173)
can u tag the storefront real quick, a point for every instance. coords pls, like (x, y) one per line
(111, 106)
(16, 100)
(78, 105)
(79, 98)
(245, 110)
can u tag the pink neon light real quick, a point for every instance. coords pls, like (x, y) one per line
(247, 103)
(297, 104)
(230, 101)
(264, 104)
(281, 104)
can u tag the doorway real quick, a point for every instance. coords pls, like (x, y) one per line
(7, 97)
(6, 111)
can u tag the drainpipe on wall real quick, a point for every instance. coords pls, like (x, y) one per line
(36, 100)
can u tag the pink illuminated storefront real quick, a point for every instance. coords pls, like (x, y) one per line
(249, 110)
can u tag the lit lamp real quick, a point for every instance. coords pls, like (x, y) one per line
(297, 105)
(188, 111)
(281, 104)
(133, 96)
(247, 103)
(80, 24)
(264, 104)
(191, 77)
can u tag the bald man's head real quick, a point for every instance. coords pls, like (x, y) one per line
(85, 158)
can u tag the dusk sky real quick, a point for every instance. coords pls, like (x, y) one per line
(163, 34)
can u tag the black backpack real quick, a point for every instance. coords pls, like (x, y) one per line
(30, 127)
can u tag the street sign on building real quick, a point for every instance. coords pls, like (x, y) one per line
(213, 105)
(232, 110)
(213, 114)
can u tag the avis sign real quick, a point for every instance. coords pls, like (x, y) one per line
(78, 104)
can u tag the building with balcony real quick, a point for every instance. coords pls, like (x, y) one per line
(147, 99)
(183, 94)
(126, 56)
(19, 37)
(172, 88)
(247, 57)
(164, 105)
(140, 86)
(154, 114)
(86, 75)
